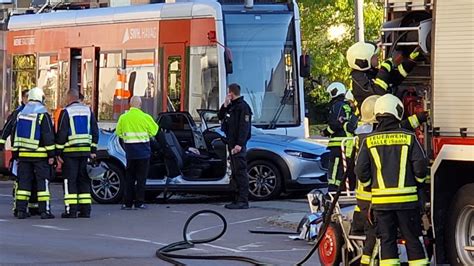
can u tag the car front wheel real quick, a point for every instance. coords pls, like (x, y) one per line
(110, 188)
(265, 180)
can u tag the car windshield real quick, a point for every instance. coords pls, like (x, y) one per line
(262, 47)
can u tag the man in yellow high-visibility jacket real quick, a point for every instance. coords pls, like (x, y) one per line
(135, 128)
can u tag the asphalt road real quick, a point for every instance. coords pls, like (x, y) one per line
(116, 237)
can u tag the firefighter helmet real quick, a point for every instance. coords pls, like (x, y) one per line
(359, 55)
(336, 89)
(389, 105)
(36, 94)
(350, 96)
(367, 109)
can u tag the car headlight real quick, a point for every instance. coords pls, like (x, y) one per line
(303, 155)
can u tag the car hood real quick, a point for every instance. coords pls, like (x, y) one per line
(289, 142)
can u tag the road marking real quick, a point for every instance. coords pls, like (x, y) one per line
(132, 239)
(217, 226)
(254, 251)
(179, 212)
(223, 248)
(276, 250)
(3, 220)
(52, 227)
(249, 246)
(6, 195)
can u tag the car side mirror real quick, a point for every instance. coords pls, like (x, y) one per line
(229, 69)
(305, 66)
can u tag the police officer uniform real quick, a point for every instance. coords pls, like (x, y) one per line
(341, 124)
(33, 145)
(236, 124)
(76, 139)
(392, 163)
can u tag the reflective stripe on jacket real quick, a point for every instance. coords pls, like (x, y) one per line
(78, 133)
(393, 164)
(341, 122)
(34, 136)
(135, 128)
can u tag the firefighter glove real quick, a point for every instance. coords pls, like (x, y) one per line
(423, 116)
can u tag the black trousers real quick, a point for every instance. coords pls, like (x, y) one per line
(240, 179)
(33, 201)
(77, 185)
(409, 223)
(28, 171)
(362, 226)
(135, 179)
(336, 170)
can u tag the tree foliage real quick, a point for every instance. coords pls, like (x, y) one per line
(327, 51)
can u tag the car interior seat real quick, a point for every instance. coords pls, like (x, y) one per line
(177, 160)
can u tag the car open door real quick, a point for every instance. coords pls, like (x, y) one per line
(185, 129)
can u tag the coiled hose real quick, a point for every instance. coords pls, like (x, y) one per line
(167, 254)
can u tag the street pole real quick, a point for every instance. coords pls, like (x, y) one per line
(359, 20)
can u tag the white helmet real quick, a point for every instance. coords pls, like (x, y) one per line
(367, 109)
(389, 104)
(336, 89)
(359, 55)
(350, 96)
(36, 94)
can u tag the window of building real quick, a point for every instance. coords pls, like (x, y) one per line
(109, 64)
(48, 73)
(23, 77)
(203, 79)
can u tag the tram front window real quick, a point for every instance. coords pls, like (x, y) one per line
(263, 52)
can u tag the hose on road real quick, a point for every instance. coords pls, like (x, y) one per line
(167, 253)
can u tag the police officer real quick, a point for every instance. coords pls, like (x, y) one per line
(33, 145)
(341, 124)
(76, 142)
(369, 80)
(136, 128)
(237, 116)
(361, 225)
(392, 162)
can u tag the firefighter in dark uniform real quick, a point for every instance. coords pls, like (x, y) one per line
(392, 163)
(6, 132)
(341, 124)
(369, 80)
(361, 224)
(76, 142)
(236, 118)
(33, 145)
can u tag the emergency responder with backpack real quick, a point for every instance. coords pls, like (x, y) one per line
(76, 142)
(33, 145)
(341, 124)
(368, 80)
(392, 163)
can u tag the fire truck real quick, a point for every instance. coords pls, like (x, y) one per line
(443, 84)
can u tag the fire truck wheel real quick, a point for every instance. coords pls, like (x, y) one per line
(460, 228)
(330, 249)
